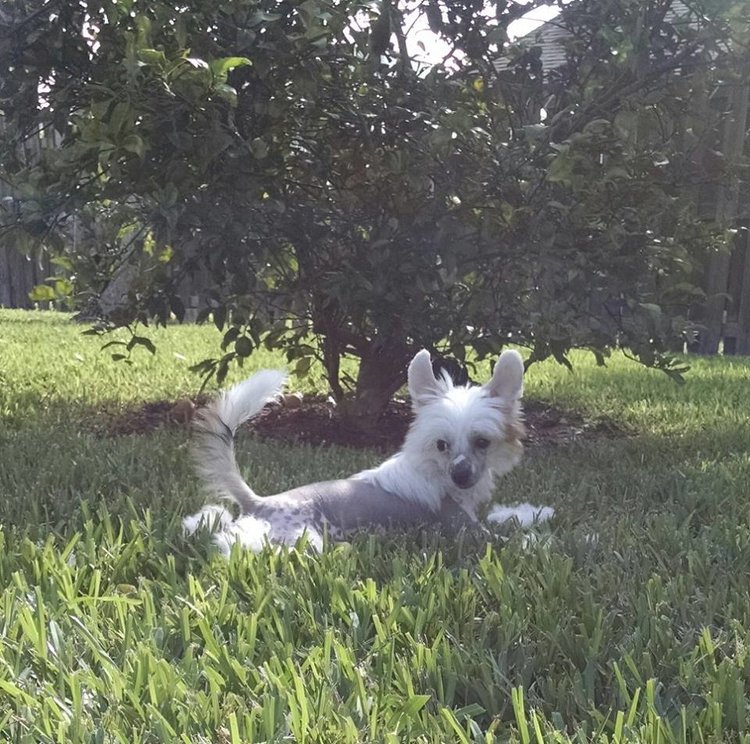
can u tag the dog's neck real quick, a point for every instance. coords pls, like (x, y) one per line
(406, 478)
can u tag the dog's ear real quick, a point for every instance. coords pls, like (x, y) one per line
(423, 386)
(507, 378)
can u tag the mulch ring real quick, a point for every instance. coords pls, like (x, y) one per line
(314, 420)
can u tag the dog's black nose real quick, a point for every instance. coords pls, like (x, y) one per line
(461, 474)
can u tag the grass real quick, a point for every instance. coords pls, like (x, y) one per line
(628, 620)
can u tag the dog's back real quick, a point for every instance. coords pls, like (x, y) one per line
(341, 507)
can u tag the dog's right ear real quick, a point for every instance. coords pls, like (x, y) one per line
(423, 387)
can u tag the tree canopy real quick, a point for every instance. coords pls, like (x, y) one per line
(332, 195)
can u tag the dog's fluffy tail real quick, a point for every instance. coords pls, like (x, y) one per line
(216, 425)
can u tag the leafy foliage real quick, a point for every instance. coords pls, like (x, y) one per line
(298, 165)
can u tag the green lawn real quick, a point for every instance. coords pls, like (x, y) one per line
(628, 620)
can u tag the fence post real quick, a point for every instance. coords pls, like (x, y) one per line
(733, 141)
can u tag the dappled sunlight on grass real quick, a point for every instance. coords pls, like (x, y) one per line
(714, 392)
(48, 357)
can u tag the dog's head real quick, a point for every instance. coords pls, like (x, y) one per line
(463, 436)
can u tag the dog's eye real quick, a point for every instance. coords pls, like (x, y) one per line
(442, 445)
(481, 443)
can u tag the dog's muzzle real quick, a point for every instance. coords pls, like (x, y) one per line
(462, 473)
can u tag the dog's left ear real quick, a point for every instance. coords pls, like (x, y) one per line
(507, 378)
(423, 387)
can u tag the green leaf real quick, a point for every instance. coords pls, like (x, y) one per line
(154, 57)
(262, 16)
(220, 317)
(434, 16)
(42, 293)
(63, 262)
(229, 337)
(119, 118)
(223, 369)
(303, 366)
(134, 143)
(380, 35)
(203, 315)
(243, 346)
(220, 67)
(63, 287)
(147, 343)
(227, 92)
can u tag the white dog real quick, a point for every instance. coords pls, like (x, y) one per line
(461, 439)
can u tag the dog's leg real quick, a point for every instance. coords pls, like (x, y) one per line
(525, 515)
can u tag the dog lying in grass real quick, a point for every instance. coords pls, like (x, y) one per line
(461, 439)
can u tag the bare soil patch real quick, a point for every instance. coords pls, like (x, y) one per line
(316, 421)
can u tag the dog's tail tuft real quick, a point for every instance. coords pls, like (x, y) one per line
(216, 425)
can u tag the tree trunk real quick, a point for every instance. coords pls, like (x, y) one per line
(382, 371)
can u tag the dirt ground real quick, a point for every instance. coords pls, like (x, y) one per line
(315, 420)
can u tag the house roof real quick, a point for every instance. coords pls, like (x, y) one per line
(550, 38)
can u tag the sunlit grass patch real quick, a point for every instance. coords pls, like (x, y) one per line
(627, 620)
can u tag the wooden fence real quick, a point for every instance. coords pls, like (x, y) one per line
(725, 315)
(19, 274)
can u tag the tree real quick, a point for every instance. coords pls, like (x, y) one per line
(336, 197)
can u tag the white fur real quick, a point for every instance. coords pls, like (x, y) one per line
(212, 517)
(525, 515)
(455, 416)
(245, 400)
(249, 531)
(216, 464)
(253, 534)
(419, 472)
